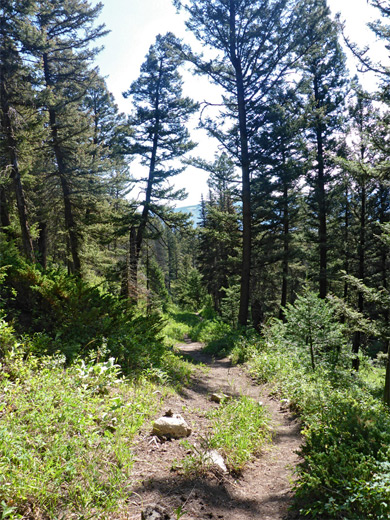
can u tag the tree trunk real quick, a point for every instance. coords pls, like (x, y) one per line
(357, 340)
(346, 241)
(70, 223)
(386, 396)
(321, 200)
(132, 292)
(4, 215)
(384, 261)
(15, 174)
(245, 163)
(286, 252)
(149, 188)
(42, 244)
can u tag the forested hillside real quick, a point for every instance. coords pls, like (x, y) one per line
(286, 269)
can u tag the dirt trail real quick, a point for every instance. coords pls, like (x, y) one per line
(263, 492)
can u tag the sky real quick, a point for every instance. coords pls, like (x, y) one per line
(134, 25)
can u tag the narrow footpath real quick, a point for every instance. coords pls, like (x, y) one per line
(262, 492)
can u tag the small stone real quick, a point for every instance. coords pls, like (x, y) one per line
(174, 427)
(155, 512)
(218, 398)
(214, 458)
(260, 403)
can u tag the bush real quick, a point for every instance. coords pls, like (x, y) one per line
(65, 436)
(345, 473)
(64, 314)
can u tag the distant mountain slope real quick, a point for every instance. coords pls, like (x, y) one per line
(194, 211)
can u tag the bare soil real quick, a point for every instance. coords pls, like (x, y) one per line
(262, 492)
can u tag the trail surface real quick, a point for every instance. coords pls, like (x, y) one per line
(263, 492)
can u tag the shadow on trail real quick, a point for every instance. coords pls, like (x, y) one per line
(193, 352)
(197, 494)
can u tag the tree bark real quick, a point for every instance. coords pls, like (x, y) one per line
(70, 223)
(245, 169)
(357, 340)
(42, 244)
(133, 267)
(152, 167)
(384, 261)
(4, 215)
(386, 396)
(137, 236)
(15, 171)
(346, 241)
(286, 252)
(321, 200)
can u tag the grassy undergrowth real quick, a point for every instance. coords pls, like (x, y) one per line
(239, 430)
(346, 469)
(219, 337)
(239, 426)
(66, 431)
(345, 473)
(346, 427)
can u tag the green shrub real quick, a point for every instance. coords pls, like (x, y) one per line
(207, 331)
(311, 327)
(240, 429)
(345, 471)
(65, 437)
(179, 324)
(64, 314)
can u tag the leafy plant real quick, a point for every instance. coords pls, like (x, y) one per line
(65, 443)
(239, 429)
(312, 328)
(344, 473)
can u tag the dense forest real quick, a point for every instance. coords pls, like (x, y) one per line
(291, 249)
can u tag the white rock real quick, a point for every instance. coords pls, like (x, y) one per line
(213, 457)
(174, 427)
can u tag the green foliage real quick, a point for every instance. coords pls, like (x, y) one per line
(312, 332)
(65, 436)
(207, 331)
(7, 338)
(179, 324)
(67, 315)
(230, 304)
(344, 474)
(240, 429)
(159, 293)
(189, 290)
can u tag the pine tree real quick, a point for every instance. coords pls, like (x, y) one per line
(106, 218)
(159, 136)
(66, 31)
(256, 42)
(325, 81)
(360, 158)
(15, 89)
(276, 201)
(219, 233)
